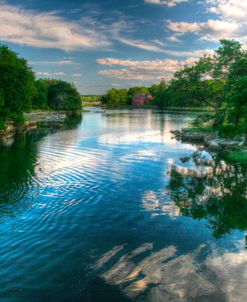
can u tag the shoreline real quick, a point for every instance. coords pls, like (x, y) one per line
(234, 149)
(34, 120)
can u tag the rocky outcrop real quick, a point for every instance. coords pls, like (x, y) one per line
(223, 145)
(200, 172)
(47, 118)
(34, 120)
(12, 129)
(186, 135)
(210, 140)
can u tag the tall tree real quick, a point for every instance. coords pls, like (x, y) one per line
(159, 93)
(17, 85)
(216, 68)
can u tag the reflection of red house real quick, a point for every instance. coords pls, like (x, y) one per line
(141, 99)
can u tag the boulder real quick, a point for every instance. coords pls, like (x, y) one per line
(200, 172)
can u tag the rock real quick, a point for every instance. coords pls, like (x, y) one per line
(230, 144)
(213, 145)
(200, 172)
(223, 144)
(203, 158)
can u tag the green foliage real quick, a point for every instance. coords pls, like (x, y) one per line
(159, 93)
(90, 98)
(20, 92)
(134, 91)
(115, 97)
(41, 96)
(219, 82)
(202, 129)
(17, 117)
(122, 96)
(63, 96)
(203, 120)
(237, 156)
(17, 84)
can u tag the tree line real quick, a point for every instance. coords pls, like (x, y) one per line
(21, 92)
(122, 96)
(218, 81)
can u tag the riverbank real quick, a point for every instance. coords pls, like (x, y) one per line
(233, 149)
(34, 120)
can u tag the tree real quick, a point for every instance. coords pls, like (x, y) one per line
(17, 85)
(159, 93)
(63, 96)
(183, 88)
(217, 69)
(115, 97)
(41, 95)
(237, 108)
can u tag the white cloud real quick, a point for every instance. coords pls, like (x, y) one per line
(231, 24)
(183, 27)
(210, 30)
(141, 44)
(235, 10)
(142, 70)
(76, 75)
(155, 47)
(60, 62)
(46, 30)
(49, 74)
(169, 3)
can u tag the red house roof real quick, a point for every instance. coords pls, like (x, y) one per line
(141, 99)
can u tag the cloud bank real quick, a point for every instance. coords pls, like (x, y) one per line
(231, 22)
(142, 70)
(46, 30)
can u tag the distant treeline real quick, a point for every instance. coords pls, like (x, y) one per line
(90, 98)
(122, 96)
(218, 81)
(20, 91)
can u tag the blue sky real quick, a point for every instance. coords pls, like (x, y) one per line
(100, 44)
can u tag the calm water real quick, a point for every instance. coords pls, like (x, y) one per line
(92, 213)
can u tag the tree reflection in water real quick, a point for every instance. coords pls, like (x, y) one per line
(18, 160)
(220, 197)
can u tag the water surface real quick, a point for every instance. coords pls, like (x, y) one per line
(92, 213)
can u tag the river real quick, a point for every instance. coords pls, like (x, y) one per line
(92, 213)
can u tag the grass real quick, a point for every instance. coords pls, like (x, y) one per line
(195, 109)
(202, 129)
(238, 156)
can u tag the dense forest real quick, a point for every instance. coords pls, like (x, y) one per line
(218, 81)
(21, 92)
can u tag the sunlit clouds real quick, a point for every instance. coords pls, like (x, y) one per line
(142, 70)
(46, 30)
(229, 21)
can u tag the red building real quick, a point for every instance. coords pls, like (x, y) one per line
(142, 99)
